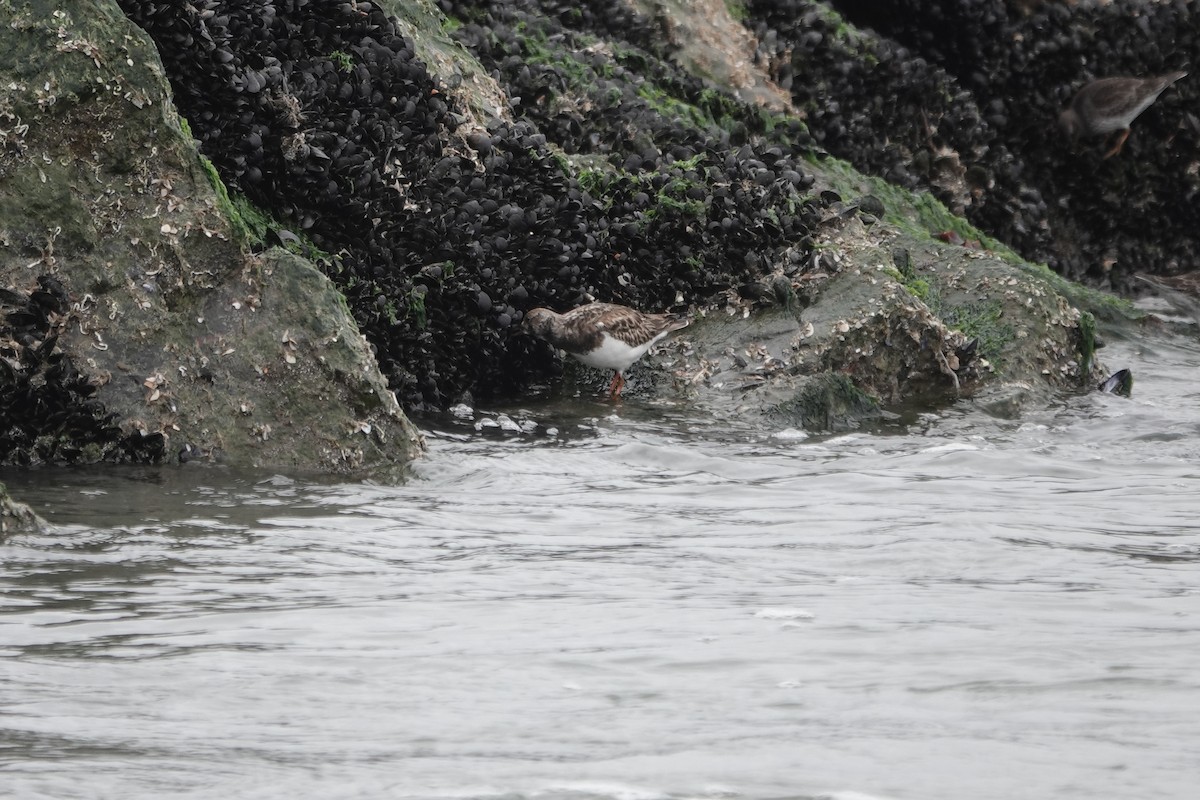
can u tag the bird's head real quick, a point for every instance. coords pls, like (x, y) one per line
(1069, 122)
(538, 321)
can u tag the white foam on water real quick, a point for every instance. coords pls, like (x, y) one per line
(950, 447)
(783, 613)
(615, 791)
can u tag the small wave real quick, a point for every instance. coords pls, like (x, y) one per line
(783, 613)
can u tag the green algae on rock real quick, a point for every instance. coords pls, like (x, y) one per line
(607, 171)
(139, 329)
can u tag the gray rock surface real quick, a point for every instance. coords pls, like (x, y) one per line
(185, 336)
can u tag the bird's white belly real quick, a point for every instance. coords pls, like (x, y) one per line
(614, 354)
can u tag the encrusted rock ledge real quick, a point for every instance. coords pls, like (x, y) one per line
(462, 170)
(138, 326)
(890, 321)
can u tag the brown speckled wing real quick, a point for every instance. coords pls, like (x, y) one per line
(631, 326)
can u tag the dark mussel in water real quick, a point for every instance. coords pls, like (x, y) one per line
(1120, 382)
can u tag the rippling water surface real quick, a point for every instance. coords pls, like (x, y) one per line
(635, 606)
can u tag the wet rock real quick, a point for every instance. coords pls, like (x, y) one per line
(605, 170)
(16, 517)
(497, 209)
(137, 324)
(978, 90)
(874, 339)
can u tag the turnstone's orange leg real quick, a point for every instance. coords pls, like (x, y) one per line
(1116, 148)
(614, 388)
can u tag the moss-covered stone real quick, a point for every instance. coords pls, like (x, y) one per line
(170, 328)
(191, 341)
(829, 402)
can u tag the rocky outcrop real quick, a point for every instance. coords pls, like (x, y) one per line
(449, 173)
(837, 320)
(883, 320)
(138, 324)
(962, 99)
(621, 174)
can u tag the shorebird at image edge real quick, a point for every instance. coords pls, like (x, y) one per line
(1112, 104)
(603, 335)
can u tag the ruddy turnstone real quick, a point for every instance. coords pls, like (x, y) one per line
(1112, 104)
(603, 335)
